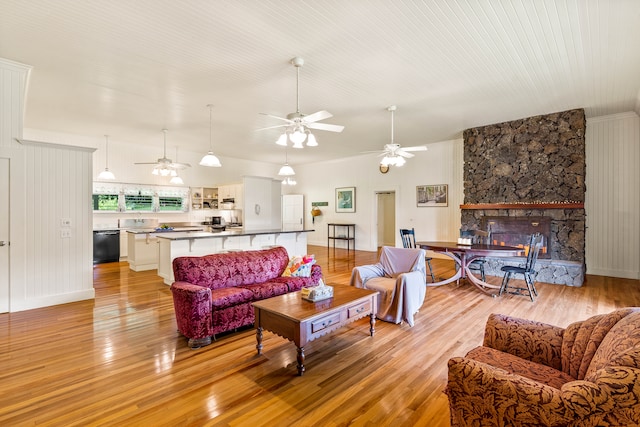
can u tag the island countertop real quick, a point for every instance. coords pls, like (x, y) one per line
(164, 230)
(176, 235)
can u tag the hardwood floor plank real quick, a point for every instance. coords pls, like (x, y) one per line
(118, 359)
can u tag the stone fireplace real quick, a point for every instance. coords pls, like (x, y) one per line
(529, 175)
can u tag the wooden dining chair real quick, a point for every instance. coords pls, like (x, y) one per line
(409, 241)
(478, 237)
(528, 271)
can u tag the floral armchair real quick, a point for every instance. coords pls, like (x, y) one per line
(529, 373)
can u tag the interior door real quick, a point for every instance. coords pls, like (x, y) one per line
(292, 212)
(4, 235)
(386, 208)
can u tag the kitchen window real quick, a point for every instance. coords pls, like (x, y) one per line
(166, 204)
(138, 202)
(105, 202)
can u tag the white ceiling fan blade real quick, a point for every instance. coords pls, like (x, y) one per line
(146, 163)
(180, 165)
(272, 127)
(401, 152)
(325, 126)
(317, 116)
(416, 148)
(276, 117)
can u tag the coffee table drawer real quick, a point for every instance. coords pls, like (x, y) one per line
(325, 322)
(359, 309)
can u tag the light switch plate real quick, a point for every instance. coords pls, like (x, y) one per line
(65, 222)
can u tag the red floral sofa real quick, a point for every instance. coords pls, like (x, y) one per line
(213, 293)
(530, 374)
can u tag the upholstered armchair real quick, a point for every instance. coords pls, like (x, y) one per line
(399, 277)
(530, 374)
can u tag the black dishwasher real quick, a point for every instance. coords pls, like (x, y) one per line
(106, 246)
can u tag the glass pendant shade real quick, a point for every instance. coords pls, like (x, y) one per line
(176, 180)
(311, 140)
(282, 140)
(209, 159)
(298, 136)
(106, 173)
(286, 170)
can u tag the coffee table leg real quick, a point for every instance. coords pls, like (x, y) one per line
(259, 339)
(300, 360)
(372, 323)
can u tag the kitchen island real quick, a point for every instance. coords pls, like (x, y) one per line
(176, 244)
(142, 245)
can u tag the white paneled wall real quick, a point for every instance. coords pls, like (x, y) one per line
(613, 196)
(48, 183)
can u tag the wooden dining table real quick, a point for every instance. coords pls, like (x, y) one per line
(464, 255)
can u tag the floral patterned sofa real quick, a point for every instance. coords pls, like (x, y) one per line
(532, 374)
(213, 293)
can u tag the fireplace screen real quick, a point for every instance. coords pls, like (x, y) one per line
(516, 231)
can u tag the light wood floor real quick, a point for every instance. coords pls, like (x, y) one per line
(118, 360)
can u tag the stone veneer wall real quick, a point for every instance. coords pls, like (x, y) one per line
(539, 159)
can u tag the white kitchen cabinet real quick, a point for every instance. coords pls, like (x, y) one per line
(231, 191)
(204, 198)
(124, 244)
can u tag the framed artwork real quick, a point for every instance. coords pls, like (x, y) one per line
(432, 195)
(346, 199)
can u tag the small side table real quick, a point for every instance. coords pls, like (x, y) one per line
(349, 237)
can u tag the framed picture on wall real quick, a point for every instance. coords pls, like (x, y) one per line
(432, 195)
(346, 199)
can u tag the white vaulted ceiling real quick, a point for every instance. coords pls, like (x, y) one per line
(130, 68)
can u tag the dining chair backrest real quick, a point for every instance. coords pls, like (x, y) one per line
(408, 237)
(535, 244)
(478, 237)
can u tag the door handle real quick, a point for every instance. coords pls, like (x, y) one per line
(3, 243)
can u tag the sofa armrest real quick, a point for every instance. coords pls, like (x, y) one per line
(193, 307)
(527, 339)
(480, 394)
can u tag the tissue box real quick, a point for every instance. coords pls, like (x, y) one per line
(317, 293)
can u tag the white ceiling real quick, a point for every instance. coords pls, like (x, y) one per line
(130, 68)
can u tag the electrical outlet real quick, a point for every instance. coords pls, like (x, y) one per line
(65, 234)
(65, 222)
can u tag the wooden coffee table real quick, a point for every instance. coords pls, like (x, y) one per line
(302, 321)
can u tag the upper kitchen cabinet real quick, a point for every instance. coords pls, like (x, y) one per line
(231, 193)
(204, 198)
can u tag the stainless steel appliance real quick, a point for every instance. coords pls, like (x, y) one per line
(106, 246)
(216, 223)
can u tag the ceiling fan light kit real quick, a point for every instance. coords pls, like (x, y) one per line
(289, 181)
(165, 166)
(298, 125)
(106, 173)
(209, 159)
(394, 154)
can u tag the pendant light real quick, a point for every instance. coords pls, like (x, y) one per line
(210, 159)
(286, 170)
(175, 178)
(106, 173)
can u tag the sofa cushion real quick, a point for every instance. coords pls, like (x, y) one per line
(299, 266)
(515, 365)
(619, 345)
(269, 289)
(227, 297)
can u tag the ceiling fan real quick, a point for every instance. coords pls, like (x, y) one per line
(394, 154)
(165, 166)
(297, 124)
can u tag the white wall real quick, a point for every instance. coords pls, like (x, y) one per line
(48, 183)
(613, 195)
(441, 164)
